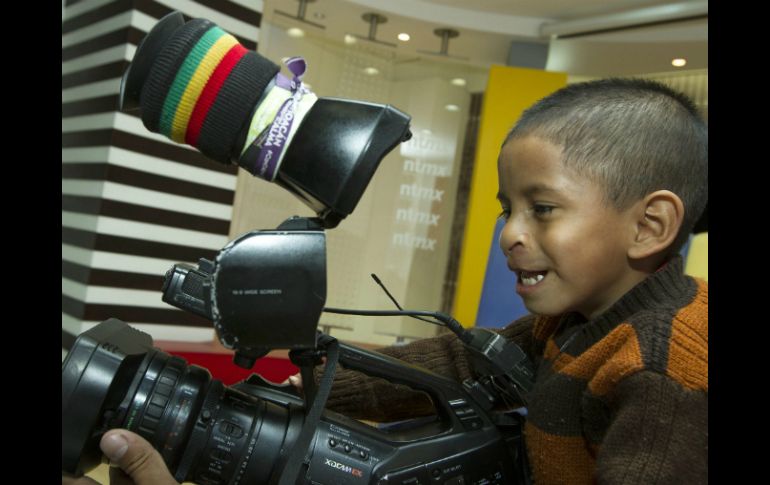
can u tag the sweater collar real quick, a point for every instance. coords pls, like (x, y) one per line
(658, 290)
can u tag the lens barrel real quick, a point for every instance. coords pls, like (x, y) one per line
(206, 432)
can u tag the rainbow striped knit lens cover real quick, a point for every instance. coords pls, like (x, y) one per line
(203, 88)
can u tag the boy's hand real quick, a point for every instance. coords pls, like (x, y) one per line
(295, 380)
(139, 462)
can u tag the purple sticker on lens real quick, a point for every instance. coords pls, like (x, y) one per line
(275, 137)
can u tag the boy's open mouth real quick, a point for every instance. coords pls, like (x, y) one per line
(531, 278)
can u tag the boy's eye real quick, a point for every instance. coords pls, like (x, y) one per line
(542, 210)
(538, 210)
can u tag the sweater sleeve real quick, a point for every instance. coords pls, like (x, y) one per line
(658, 433)
(357, 395)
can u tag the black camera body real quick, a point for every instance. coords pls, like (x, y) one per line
(211, 434)
(266, 290)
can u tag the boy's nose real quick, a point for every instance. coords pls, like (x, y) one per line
(514, 234)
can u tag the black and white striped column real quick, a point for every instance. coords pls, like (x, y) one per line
(133, 202)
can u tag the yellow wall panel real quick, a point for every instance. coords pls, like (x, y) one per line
(510, 90)
(698, 256)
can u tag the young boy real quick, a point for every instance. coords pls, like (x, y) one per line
(600, 185)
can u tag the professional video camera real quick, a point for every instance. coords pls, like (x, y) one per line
(266, 290)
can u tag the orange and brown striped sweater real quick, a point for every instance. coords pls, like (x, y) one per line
(622, 398)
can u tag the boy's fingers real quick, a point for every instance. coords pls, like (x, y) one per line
(296, 381)
(136, 457)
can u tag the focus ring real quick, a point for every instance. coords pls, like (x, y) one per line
(161, 395)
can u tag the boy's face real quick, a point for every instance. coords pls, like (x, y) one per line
(567, 247)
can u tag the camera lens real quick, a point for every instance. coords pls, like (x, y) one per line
(206, 432)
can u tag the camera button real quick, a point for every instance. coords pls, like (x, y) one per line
(472, 423)
(347, 448)
(462, 412)
(231, 429)
(332, 442)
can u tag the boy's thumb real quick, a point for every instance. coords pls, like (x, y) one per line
(136, 457)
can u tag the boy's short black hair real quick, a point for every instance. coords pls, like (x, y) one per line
(633, 136)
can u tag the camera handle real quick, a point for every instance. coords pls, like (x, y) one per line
(448, 396)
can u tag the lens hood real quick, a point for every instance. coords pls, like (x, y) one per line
(108, 353)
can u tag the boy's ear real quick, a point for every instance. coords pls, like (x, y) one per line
(658, 221)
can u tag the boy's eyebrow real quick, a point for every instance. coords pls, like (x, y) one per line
(531, 190)
(539, 188)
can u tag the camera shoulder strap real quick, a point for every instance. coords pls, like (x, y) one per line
(299, 457)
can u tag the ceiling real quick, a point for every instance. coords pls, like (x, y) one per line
(488, 28)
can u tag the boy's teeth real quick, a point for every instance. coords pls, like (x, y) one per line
(531, 279)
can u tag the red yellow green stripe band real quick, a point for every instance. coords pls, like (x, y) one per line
(209, 93)
(183, 77)
(197, 83)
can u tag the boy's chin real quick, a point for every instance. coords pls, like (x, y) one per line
(545, 309)
(540, 309)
